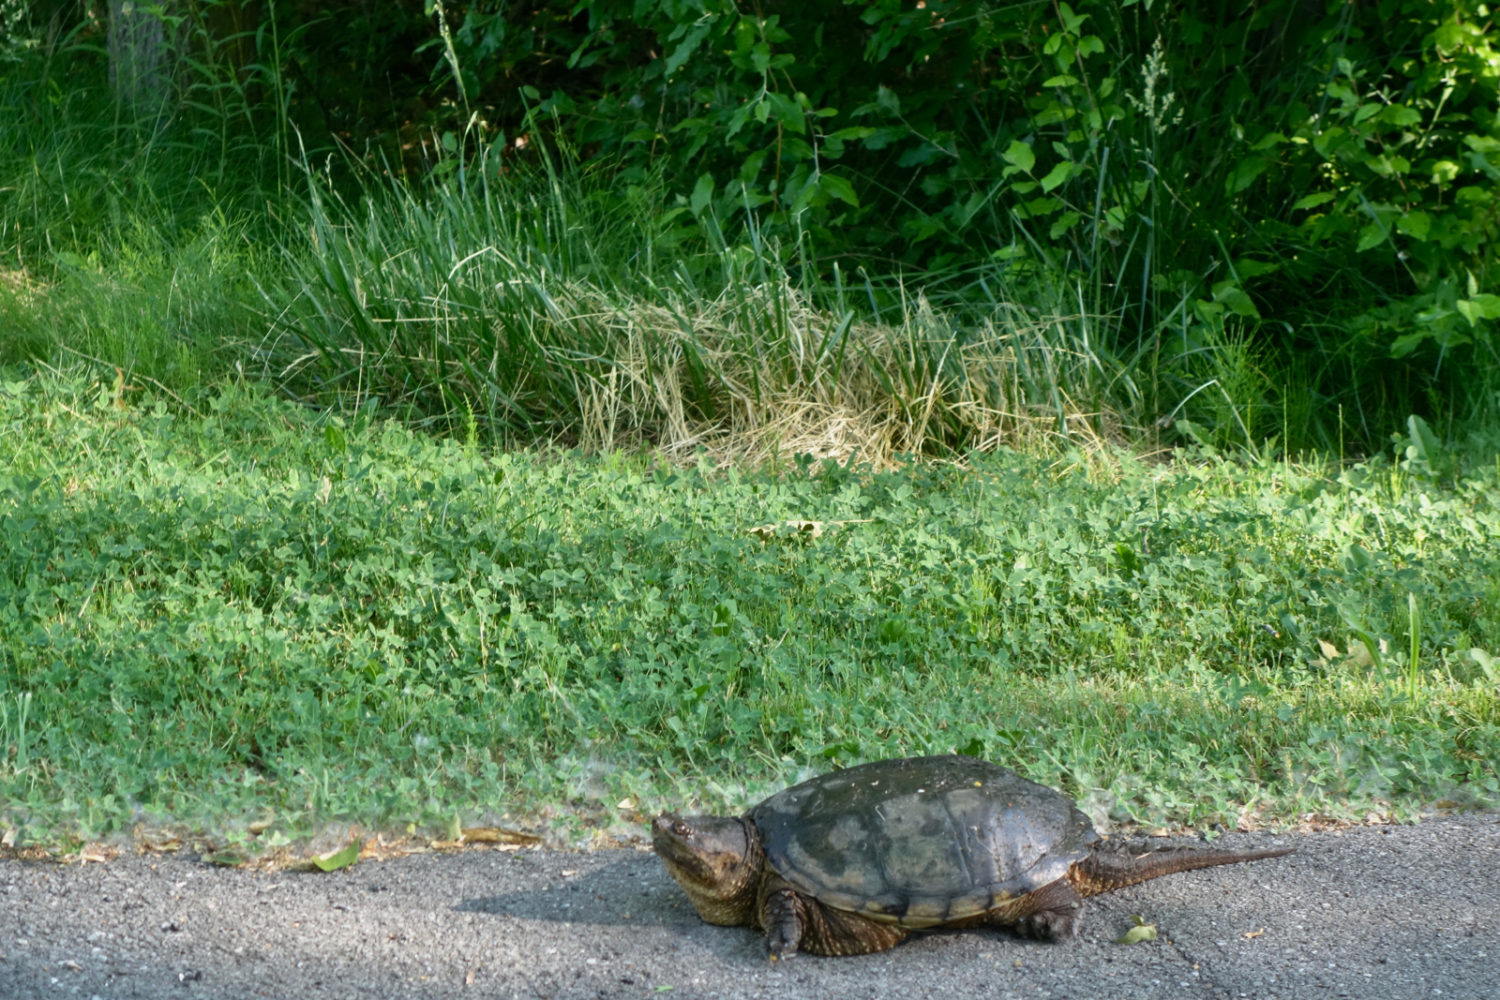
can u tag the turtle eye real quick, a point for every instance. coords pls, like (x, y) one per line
(680, 828)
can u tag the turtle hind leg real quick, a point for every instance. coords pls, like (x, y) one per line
(1051, 913)
(794, 922)
(837, 932)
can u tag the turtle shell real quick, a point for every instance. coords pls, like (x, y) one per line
(921, 841)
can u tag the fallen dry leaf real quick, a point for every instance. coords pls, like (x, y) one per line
(498, 835)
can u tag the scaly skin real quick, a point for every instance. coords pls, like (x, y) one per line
(718, 861)
(1107, 869)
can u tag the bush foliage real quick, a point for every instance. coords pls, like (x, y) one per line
(1307, 187)
(1314, 175)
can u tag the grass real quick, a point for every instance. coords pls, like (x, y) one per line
(528, 304)
(227, 607)
(527, 494)
(557, 300)
(131, 242)
(546, 300)
(530, 299)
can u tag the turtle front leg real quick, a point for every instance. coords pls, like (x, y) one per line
(784, 916)
(794, 922)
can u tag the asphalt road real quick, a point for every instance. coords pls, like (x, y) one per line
(1382, 913)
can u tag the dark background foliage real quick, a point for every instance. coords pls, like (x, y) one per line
(1312, 182)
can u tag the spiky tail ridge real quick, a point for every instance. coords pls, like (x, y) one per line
(1108, 869)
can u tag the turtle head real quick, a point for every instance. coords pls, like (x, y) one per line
(716, 859)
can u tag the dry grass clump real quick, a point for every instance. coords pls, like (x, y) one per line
(19, 284)
(756, 374)
(759, 375)
(533, 321)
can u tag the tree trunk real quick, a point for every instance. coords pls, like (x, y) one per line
(138, 70)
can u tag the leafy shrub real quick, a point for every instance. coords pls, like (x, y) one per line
(1301, 194)
(1317, 176)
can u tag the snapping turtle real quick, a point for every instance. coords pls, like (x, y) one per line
(850, 862)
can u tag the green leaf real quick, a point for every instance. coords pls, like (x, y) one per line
(1489, 664)
(1019, 154)
(1062, 224)
(1487, 305)
(1389, 164)
(1071, 21)
(1415, 224)
(852, 132)
(1039, 206)
(760, 57)
(688, 46)
(703, 192)
(1341, 91)
(1313, 200)
(1232, 296)
(1407, 343)
(1142, 931)
(839, 188)
(342, 858)
(1245, 173)
(1249, 267)
(1210, 312)
(1137, 934)
(787, 111)
(1479, 307)
(1448, 38)
(739, 118)
(1400, 115)
(226, 858)
(1444, 171)
(1330, 140)
(1370, 236)
(1199, 435)
(1481, 162)
(1056, 176)
(1422, 448)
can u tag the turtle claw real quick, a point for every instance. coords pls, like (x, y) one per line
(778, 948)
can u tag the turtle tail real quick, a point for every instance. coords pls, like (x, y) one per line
(1108, 869)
